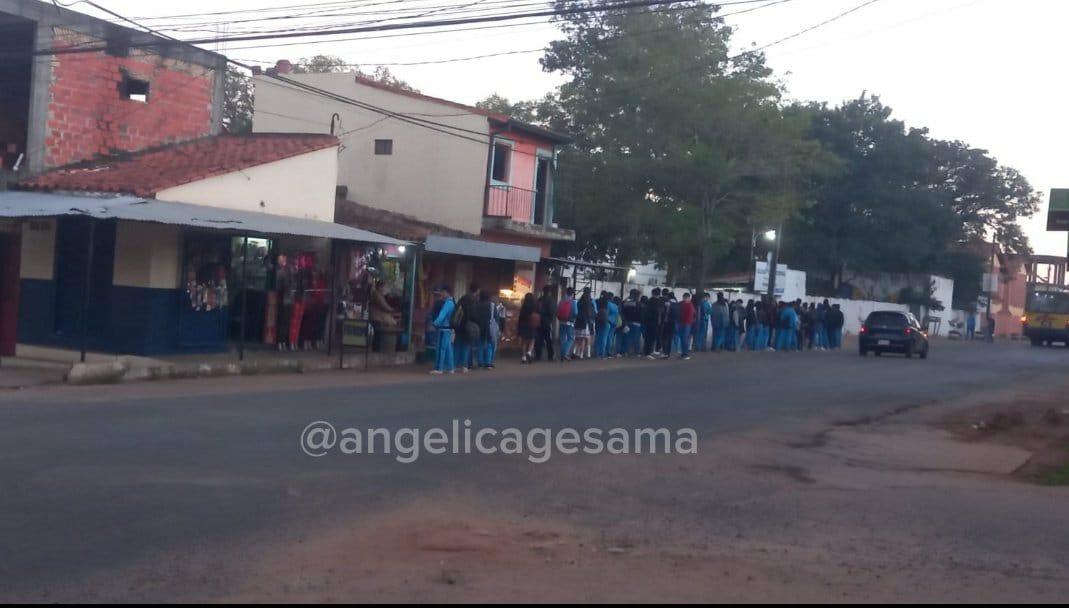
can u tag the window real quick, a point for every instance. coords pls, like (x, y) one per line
(499, 169)
(384, 147)
(133, 89)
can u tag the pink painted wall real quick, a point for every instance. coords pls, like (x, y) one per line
(519, 205)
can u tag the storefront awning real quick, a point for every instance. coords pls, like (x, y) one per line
(481, 249)
(40, 204)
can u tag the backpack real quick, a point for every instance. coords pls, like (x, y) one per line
(564, 310)
(457, 318)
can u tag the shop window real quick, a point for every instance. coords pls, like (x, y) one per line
(206, 265)
(384, 147)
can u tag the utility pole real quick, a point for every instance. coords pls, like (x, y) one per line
(774, 264)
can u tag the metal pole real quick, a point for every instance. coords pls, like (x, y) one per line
(332, 318)
(991, 287)
(415, 252)
(244, 296)
(88, 288)
(751, 270)
(774, 264)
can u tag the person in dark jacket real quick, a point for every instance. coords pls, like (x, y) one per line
(546, 307)
(654, 315)
(669, 335)
(528, 323)
(484, 316)
(836, 320)
(467, 331)
(631, 311)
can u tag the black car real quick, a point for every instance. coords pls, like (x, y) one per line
(892, 331)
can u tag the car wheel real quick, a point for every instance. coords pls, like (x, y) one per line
(1037, 342)
(924, 353)
(862, 352)
(878, 353)
(909, 351)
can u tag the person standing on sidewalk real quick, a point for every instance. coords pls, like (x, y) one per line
(670, 328)
(467, 331)
(687, 317)
(631, 310)
(566, 313)
(970, 326)
(546, 308)
(836, 320)
(704, 309)
(527, 323)
(654, 315)
(443, 360)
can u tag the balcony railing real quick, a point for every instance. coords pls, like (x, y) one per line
(514, 203)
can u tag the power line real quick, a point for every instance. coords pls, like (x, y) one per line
(556, 12)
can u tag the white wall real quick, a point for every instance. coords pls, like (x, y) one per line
(300, 186)
(38, 251)
(146, 255)
(436, 177)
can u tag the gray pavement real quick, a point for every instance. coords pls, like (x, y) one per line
(164, 491)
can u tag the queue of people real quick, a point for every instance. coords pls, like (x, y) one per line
(658, 326)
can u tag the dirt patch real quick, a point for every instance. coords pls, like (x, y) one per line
(1037, 423)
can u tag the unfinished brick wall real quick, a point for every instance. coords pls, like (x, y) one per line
(88, 117)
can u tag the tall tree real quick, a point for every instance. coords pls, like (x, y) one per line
(904, 202)
(681, 135)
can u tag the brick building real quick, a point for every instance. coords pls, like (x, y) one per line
(131, 92)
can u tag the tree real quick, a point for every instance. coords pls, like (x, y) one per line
(677, 140)
(330, 64)
(546, 111)
(237, 102)
(903, 202)
(321, 64)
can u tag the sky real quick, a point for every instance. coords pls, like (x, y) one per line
(990, 73)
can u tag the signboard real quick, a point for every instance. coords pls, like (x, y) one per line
(761, 278)
(354, 333)
(990, 282)
(1058, 212)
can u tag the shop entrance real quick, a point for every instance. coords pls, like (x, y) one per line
(10, 245)
(72, 247)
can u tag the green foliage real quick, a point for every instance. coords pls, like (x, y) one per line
(679, 144)
(904, 202)
(328, 64)
(237, 102)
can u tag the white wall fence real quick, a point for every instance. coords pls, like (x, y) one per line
(854, 311)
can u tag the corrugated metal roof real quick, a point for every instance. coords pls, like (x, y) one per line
(39, 204)
(481, 249)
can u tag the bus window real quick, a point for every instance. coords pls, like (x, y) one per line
(1056, 303)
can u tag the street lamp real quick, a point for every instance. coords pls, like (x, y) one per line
(774, 263)
(768, 235)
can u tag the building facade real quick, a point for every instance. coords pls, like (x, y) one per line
(486, 179)
(73, 87)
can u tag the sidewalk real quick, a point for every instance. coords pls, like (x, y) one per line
(34, 365)
(22, 372)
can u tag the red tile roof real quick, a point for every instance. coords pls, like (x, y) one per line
(147, 172)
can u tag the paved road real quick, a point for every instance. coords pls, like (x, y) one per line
(95, 483)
